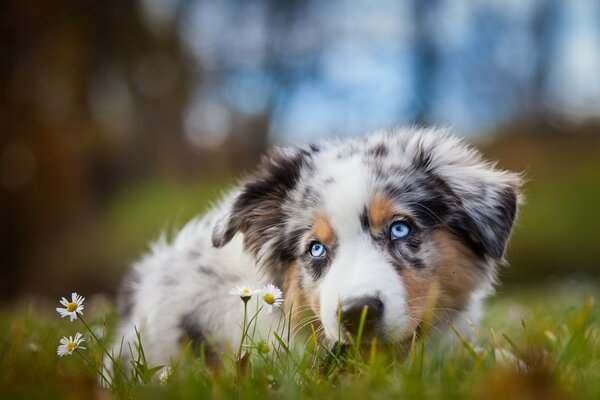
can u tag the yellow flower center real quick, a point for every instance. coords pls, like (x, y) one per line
(269, 298)
(245, 291)
(71, 307)
(71, 346)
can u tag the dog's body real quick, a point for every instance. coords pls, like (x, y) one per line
(404, 222)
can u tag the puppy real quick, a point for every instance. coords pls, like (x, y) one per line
(410, 223)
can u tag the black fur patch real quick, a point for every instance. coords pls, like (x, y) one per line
(413, 242)
(404, 252)
(463, 227)
(415, 262)
(191, 333)
(427, 198)
(422, 159)
(380, 150)
(288, 249)
(280, 174)
(257, 210)
(408, 262)
(364, 220)
(316, 268)
(191, 330)
(495, 223)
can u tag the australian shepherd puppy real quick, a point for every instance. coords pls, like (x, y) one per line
(410, 223)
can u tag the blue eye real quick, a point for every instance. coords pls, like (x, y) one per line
(317, 250)
(399, 230)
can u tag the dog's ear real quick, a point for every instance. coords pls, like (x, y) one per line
(480, 201)
(256, 211)
(486, 200)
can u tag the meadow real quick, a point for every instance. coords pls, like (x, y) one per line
(121, 120)
(534, 343)
(540, 338)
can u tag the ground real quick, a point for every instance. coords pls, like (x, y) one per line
(553, 332)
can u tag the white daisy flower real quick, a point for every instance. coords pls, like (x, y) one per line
(69, 345)
(272, 296)
(245, 292)
(73, 307)
(164, 374)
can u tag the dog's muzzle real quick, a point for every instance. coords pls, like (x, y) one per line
(351, 314)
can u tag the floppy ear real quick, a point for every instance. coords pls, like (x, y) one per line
(478, 200)
(487, 211)
(257, 210)
(486, 202)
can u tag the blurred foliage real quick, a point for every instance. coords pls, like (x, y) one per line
(95, 257)
(556, 233)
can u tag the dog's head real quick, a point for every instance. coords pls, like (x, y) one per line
(401, 222)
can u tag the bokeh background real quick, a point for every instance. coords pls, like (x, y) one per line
(120, 120)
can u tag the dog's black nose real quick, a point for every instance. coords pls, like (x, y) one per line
(352, 311)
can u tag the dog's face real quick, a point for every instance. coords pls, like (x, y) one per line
(408, 224)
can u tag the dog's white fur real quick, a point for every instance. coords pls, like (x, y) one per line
(181, 288)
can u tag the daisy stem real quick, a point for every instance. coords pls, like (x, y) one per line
(111, 358)
(258, 308)
(239, 353)
(94, 336)
(99, 372)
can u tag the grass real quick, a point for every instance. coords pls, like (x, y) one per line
(553, 330)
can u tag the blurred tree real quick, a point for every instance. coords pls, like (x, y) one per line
(96, 97)
(74, 126)
(543, 28)
(426, 58)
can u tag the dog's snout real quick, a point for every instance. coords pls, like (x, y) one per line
(351, 313)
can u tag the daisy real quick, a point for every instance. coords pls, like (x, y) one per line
(69, 345)
(73, 307)
(245, 292)
(164, 374)
(272, 297)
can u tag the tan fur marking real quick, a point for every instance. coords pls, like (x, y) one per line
(314, 302)
(456, 270)
(296, 297)
(292, 291)
(323, 230)
(381, 210)
(436, 294)
(417, 285)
